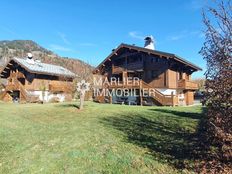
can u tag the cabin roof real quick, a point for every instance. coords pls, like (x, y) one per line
(43, 68)
(154, 52)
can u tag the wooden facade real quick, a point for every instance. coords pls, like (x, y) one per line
(24, 85)
(168, 74)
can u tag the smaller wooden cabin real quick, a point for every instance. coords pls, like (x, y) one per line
(30, 80)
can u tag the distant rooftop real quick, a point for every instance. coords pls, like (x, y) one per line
(44, 68)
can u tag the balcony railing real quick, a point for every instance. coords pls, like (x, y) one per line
(187, 84)
(12, 87)
(130, 66)
(118, 69)
(167, 100)
(125, 84)
(135, 66)
(60, 87)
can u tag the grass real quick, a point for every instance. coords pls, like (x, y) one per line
(56, 138)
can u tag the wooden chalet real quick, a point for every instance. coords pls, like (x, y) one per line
(168, 74)
(29, 80)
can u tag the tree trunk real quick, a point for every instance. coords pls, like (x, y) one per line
(82, 99)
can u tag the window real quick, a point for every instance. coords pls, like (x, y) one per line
(155, 59)
(165, 78)
(180, 75)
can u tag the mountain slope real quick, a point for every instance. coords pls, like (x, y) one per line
(20, 48)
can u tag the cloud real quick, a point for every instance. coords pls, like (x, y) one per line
(136, 35)
(63, 38)
(177, 37)
(186, 34)
(55, 47)
(87, 44)
(10, 31)
(197, 4)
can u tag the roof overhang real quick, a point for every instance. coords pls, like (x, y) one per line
(150, 52)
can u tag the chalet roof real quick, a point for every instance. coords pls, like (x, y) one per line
(154, 52)
(44, 68)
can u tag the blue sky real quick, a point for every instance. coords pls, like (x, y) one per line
(89, 30)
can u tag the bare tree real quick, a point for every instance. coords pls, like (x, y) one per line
(217, 51)
(82, 87)
(83, 84)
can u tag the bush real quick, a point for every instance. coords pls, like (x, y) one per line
(217, 51)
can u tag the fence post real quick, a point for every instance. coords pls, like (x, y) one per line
(140, 93)
(110, 99)
(173, 99)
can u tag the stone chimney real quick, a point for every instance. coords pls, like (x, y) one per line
(149, 43)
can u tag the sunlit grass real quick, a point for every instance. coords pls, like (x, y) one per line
(103, 138)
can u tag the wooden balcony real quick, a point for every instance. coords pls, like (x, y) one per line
(17, 75)
(13, 84)
(60, 87)
(187, 84)
(12, 87)
(135, 66)
(130, 66)
(128, 85)
(118, 69)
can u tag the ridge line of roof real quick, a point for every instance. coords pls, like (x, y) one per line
(44, 63)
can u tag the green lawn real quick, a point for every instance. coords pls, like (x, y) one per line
(103, 138)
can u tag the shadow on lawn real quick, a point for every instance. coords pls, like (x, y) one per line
(191, 115)
(166, 141)
(68, 106)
